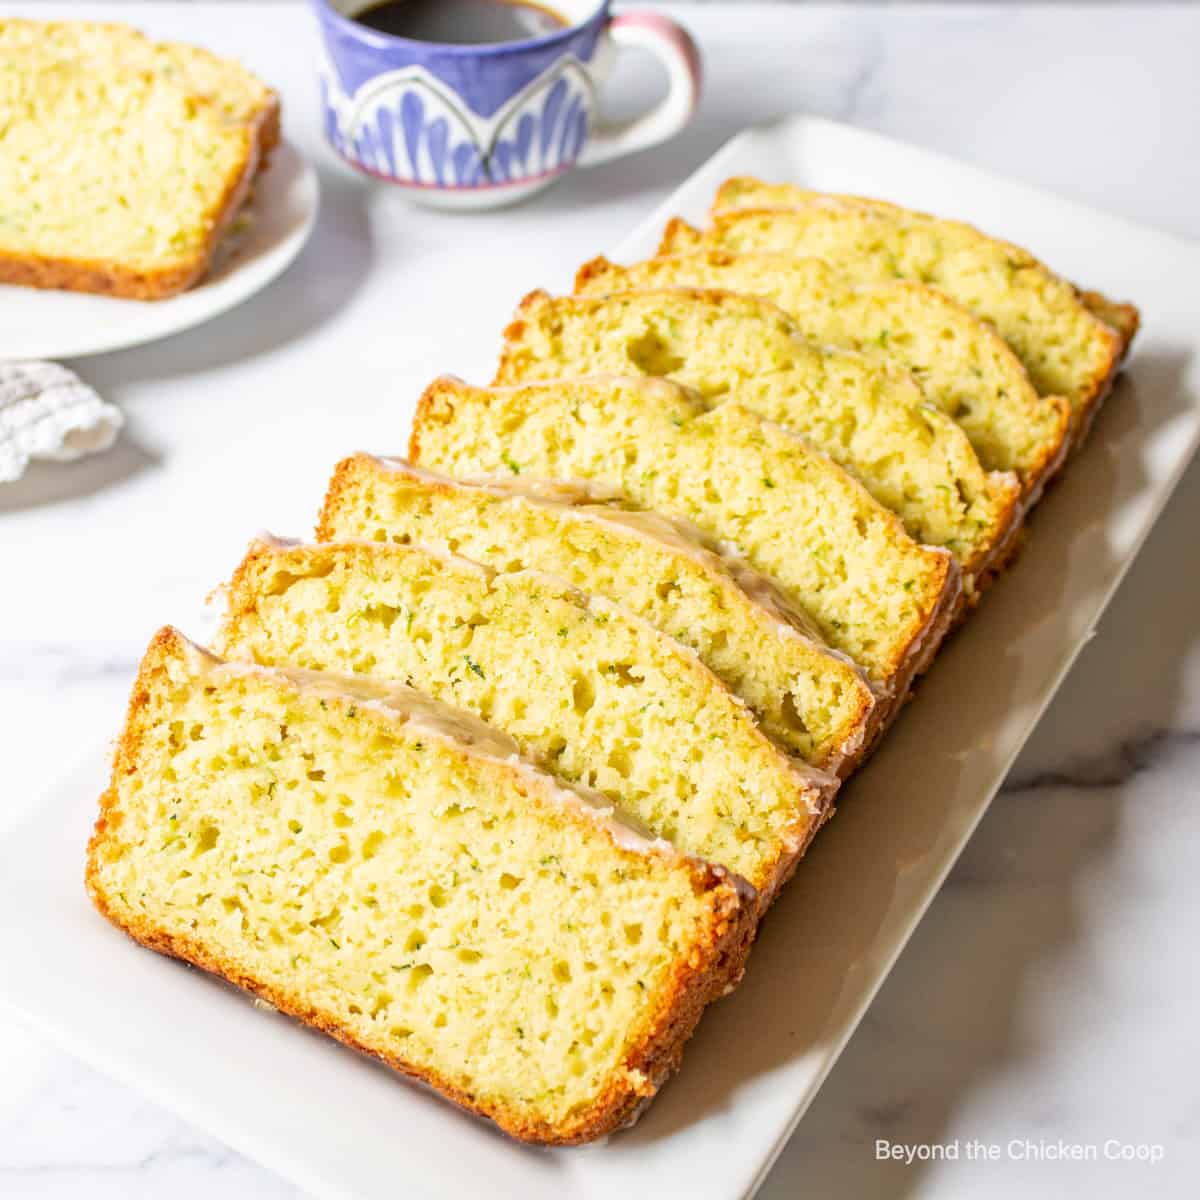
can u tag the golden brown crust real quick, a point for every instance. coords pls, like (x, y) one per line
(270, 128)
(118, 279)
(436, 401)
(712, 967)
(1120, 315)
(656, 1051)
(919, 653)
(675, 232)
(1122, 322)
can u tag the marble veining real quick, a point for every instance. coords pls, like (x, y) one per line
(1112, 767)
(1049, 993)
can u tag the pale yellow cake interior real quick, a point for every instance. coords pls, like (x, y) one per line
(869, 417)
(594, 693)
(962, 365)
(816, 704)
(435, 904)
(122, 167)
(794, 515)
(1065, 348)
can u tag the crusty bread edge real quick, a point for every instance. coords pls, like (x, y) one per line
(712, 968)
(269, 122)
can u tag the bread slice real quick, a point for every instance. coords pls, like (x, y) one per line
(392, 873)
(962, 365)
(747, 192)
(593, 692)
(869, 417)
(140, 213)
(873, 592)
(114, 47)
(813, 701)
(1067, 350)
(239, 93)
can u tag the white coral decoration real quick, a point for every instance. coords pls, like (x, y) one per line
(48, 412)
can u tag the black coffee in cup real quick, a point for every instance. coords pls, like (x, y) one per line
(462, 22)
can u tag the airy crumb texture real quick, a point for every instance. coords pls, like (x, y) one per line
(122, 161)
(961, 363)
(797, 517)
(238, 93)
(1067, 350)
(593, 692)
(748, 192)
(869, 417)
(416, 892)
(814, 702)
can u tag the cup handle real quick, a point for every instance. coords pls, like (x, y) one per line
(673, 46)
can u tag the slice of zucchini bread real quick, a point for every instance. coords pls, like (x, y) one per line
(392, 873)
(591, 691)
(873, 592)
(1067, 350)
(869, 417)
(747, 192)
(962, 364)
(138, 214)
(811, 699)
(111, 47)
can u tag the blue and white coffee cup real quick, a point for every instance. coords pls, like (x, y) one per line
(477, 126)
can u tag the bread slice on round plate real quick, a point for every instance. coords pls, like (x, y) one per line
(123, 161)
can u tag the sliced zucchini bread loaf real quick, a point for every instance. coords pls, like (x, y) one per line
(1067, 350)
(961, 363)
(747, 192)
(869, 417)
(811, 699)
(595, 693)
(391, 872)
(845, 560)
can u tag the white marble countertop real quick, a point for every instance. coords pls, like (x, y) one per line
(1049, 995)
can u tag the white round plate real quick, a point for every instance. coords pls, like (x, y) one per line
(51, 324)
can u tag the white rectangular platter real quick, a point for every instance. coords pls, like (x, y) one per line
(342, 1127)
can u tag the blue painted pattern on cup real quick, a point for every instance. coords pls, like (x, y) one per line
(459, 119)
